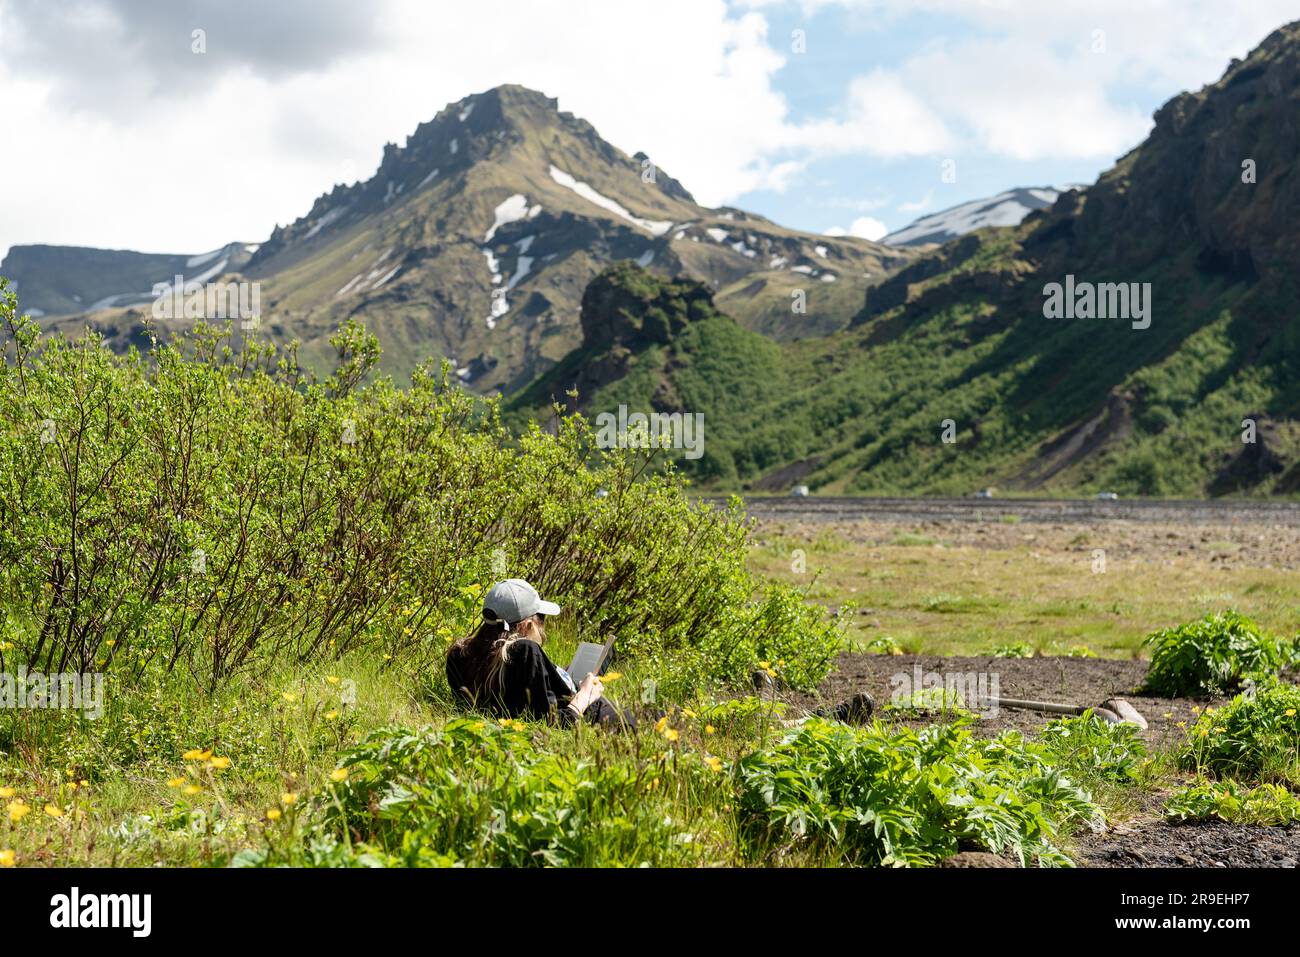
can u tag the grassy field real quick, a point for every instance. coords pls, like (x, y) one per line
(966, 588)
(255, 773)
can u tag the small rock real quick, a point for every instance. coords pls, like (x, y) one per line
(974, 859)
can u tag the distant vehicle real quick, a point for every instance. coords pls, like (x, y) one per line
(799, 491)
(984, 493)
(1107, 497)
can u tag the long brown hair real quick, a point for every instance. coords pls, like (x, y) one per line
(482, 652)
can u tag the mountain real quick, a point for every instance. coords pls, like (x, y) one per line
(1004, 209)
(476, 239)
(67, 280)
(968, 367)
(652, 343)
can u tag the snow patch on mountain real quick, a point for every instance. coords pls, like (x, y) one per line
(201, 258)
(511, 210)
(653, 226)
(328, 219)
(1004, 209)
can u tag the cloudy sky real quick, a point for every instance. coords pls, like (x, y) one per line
(821, 114)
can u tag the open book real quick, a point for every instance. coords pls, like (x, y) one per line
(590, 658)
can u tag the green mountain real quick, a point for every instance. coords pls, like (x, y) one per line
(1190, 243)
(476, 239)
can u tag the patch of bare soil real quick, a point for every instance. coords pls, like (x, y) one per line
(1079, 681)
(1153, 543)
(1145, 839)
(1150, 841)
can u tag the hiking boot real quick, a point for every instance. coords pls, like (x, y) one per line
(855, 710)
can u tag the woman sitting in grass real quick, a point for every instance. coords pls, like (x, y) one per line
(502, 669)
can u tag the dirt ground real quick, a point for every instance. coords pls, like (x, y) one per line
(1150, 544)
(1141, 840)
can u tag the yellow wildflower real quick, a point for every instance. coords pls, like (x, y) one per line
(714, 763)
(611, 676)
(6, 858)
(7, 793)
(273, 814)
(332, 679)
(288, 797)
(709, 729)
(331, 715)
(18, 810)
(53, 810)
(671, 734)
(220, 763)
(339, 774)
(289, 696)
(196, 754)
(175, 782)
(661, 724)
(1289, 712)
(191, 790)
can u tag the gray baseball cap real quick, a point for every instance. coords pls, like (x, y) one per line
(513, 600)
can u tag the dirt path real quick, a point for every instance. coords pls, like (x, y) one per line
(1145, 839)
(1082, 511)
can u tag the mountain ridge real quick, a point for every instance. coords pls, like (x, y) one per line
(474, 241)
(954, 375)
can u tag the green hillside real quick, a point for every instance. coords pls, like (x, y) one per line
(1142, 406)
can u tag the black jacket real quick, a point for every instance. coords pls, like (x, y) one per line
(530, 685)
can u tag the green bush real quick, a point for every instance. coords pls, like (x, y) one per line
(207, 511)
(1018, 650)
(1089, 747)
(1253, 736)
(908, 797)
(1267, 804)
(482, 794)
(1207, 657)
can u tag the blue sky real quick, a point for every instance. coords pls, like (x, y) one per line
(1111, 65)
(840, 44)
(185, 152)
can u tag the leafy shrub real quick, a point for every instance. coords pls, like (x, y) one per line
(207, 511)
(1017, 650)
(1268, 804)
(929, 701)
(741, 718)
(1253, 736)
(1210, 656)
(482, 793)
(908, 797)
(884, 645)
(1091, 747)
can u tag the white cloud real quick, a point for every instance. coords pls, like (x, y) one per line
(1035, 80)
(184, 153)
(883, 119)
(919, 205)
(689, 82)
(864, 227)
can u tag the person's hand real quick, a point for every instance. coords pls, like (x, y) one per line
(591, 689)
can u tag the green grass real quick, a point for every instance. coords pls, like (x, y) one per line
(965, 598)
